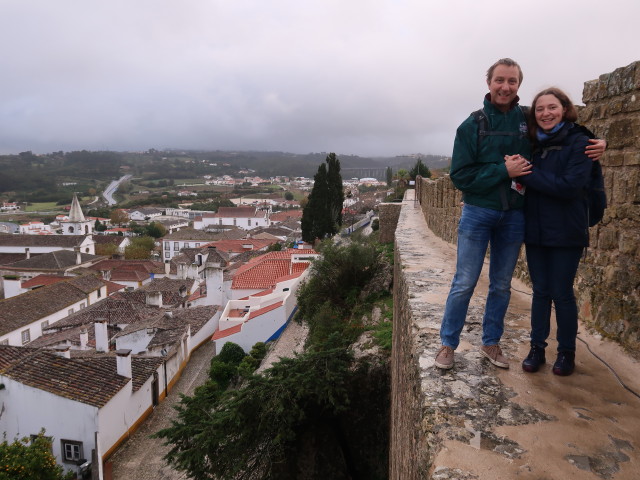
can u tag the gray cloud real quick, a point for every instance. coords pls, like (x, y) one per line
(368, 77)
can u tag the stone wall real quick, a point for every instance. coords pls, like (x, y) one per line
(388, 214)
(608, 283)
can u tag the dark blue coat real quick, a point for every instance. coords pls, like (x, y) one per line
(555, 198)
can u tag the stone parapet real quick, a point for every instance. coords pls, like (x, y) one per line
(388, 214)
(478, 422)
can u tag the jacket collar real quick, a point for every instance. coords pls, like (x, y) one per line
(491, 108)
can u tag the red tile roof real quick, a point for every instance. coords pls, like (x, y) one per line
(267, 270)
(226, 332)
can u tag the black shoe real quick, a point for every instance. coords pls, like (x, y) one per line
(534, 359)
(565, 363)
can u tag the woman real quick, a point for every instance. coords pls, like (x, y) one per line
(556, 229)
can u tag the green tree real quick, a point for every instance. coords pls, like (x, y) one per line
(118, 217)
(322, 215)
(389, 176)
(28, 459)
(156, 230)
(263, 418)
(288, 196)
(139, 249)
(108, 249)
(419, 169)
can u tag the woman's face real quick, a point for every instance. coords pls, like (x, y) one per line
(549, 112)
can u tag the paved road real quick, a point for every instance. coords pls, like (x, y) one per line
(141, 457)
(111, 189)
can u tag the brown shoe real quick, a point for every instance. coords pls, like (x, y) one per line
(495, 356)
(444, 358)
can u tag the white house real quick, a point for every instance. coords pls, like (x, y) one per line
(264, 293)
(35, 228)
(8, 206)
(46, 243)
(141, 214)
(24, 317)
(88, 406)
(242, 217)
(173, 243)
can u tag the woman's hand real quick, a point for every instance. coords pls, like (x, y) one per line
(517, 165)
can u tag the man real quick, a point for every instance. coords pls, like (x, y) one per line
(484, 167)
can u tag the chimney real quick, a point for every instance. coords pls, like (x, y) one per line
(106, 275)
(123, 358)
(167, 268)
(102, 336)
(63, 351)
(154, 299)
(182, 270)
(84, 339)
(168, 314)
(27, 253)
(78, 255)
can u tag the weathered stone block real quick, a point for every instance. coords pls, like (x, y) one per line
(632, 158)
(614, 158)
(590, 92)
(631, 103)
(623, 133)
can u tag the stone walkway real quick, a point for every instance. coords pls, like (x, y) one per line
(141, 457)
(489, 423)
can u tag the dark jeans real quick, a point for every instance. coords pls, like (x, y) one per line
(552, 271)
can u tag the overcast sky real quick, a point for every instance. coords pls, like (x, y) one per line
(363, 77)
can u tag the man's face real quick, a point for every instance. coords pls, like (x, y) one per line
(503, 86)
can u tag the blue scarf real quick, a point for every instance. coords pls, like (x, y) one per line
(542, 136)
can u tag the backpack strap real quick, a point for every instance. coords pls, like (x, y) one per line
(484, 130)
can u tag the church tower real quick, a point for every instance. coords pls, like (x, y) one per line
(77, 224)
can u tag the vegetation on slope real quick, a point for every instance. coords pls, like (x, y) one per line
(316, 416)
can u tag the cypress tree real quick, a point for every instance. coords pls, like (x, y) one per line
(322, 215)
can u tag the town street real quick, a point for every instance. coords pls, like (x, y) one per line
(141, 457)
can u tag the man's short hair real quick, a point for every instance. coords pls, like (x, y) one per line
(507, 62)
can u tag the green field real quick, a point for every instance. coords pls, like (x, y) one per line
(43, 207)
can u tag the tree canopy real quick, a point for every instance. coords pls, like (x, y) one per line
(322, 215)
(419, 169)
(28, 459)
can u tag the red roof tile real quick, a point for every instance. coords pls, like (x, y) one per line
(226, 332)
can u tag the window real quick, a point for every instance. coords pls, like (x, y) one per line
(44, 325)
(99, 295)
(71, 450)
(249, 222)
(5, 342)
(167, 245)
(197, 245)
(70, 311)
(167, 254)
(82, 305)
(186, 244)
(26, 336)
(176, 246)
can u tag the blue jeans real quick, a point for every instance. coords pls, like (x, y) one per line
(478, 228)
(552, 271)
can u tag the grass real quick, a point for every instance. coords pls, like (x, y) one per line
(43, 207)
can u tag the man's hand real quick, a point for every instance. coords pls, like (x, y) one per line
(596, 148)
(517, 166)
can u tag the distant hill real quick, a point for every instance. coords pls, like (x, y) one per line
(56, 176)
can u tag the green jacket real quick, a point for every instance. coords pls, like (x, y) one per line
(477, 166)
